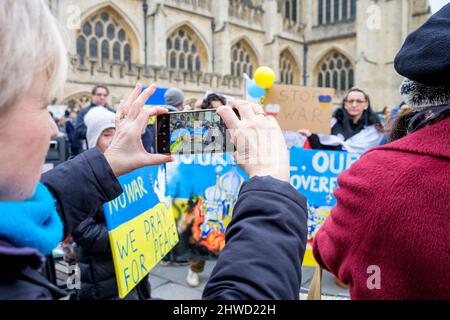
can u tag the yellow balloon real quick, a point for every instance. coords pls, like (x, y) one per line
(264, 77)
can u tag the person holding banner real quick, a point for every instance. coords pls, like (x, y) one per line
(388, 235)
(355, 127)
(98, 279)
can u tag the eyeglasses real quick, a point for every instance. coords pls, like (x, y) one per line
(101, 95)
(357, 101)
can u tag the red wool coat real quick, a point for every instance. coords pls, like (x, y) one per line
(393, 212)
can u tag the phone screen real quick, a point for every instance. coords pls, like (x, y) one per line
(191, 132)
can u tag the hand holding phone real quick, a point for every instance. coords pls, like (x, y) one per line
(260, 146)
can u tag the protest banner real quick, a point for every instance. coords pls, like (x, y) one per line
(156, 100)
(314, 174)
(203, 206)
(297, 107)
(141, 226)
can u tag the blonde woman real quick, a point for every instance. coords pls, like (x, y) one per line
(269, 221)
(33, 69)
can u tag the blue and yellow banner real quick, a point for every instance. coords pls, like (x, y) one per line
(205, 188)
(141, 226)
(314, 174)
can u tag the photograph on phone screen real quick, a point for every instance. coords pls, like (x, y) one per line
(196, 132)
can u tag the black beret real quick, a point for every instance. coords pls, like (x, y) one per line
(425, 55)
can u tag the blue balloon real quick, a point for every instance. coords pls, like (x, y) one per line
(255, 91)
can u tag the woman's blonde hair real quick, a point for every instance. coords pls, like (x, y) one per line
(30, 43)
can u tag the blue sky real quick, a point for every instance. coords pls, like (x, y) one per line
(437, 4)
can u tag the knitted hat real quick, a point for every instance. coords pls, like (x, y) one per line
(97, 120)
(174, 97)
(425, 55)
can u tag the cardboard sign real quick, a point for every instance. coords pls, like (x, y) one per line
(141, 226)
(297, 107)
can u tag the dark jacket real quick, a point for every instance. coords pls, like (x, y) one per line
(80, 186)
(148, 139)
(80, 127)
(98, 277)
(20, 277)
(265, 244)
(75, 143)
(88, 225)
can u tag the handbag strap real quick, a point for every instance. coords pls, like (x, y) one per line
(315, 290)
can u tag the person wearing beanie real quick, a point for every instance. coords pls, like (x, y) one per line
(100, 125)
(174, 99)
(98, 279)
(388, 235)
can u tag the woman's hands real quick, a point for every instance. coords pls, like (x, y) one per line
(126, 152)
(260, 146)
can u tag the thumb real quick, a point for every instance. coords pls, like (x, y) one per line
(157, 159)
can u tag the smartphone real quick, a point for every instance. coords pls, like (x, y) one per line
(191, 132)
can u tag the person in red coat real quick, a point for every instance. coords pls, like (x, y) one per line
(388, 237)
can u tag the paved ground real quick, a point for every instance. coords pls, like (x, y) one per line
(169, 282)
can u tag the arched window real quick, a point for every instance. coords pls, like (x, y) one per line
(289, 72)
(243, 59)
(105, 50)
(103, 37)
(77, 101)
(353, 9)
(335, 71)
(328, 11)
(320, 11)
(81, 48)
(127, 55)
(344, 10)
(116, 51)
(332, 11)
(185, 51)
(336, 10)
(292, 10)
(93, 48)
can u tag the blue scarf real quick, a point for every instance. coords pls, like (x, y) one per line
(33, 223)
